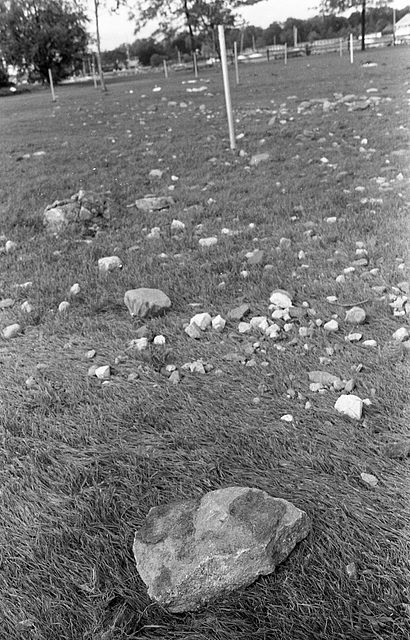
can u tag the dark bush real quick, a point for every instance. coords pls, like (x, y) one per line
(4, 78)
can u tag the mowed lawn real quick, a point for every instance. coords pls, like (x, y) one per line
(81, 462)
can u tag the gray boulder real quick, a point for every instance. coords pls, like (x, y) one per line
(145, 302)
(193, 551)
(154, 203)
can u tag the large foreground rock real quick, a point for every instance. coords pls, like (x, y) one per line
(190, 552)
(146, 302)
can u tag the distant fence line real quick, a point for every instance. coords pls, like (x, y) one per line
(331, 45)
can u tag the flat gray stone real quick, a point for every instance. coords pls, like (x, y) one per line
(190, 552)
(238, 313)
(144, 302)
(154, 203)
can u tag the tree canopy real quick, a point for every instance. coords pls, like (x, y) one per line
(37, 35)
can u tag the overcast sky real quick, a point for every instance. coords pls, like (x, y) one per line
(117, 29)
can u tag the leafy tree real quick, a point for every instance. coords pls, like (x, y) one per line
(37, 35)
(198, 15)
(338, 6)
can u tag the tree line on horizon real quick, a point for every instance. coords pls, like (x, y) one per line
(173, 45)
(41, 35)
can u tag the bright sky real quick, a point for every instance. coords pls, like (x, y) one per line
(117, 29)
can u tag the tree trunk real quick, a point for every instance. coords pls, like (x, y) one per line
(363, 24)
(100, 71)
(188, 22)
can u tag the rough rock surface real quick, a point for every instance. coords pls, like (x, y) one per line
(154, 203)
(82, 207)
(193, 551)
(146, 302)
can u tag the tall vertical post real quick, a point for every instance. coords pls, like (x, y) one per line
(195, 65)
(224, 61)
(351, 48)
(295, 36)
(50, 76)
(235, 52)
(341, 47)
(286, 53)
(94, 76)
(394, 26)
(165, 68)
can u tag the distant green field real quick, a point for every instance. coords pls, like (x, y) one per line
(81, 462)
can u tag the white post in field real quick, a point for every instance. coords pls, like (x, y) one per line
(50, 76)
(235, 51)
(94, 76)
(351, 48)
(394, 26)
(195, 65)
(341, 47)
(295, 36)
(165, 68)
(286, 53)
(224, 61)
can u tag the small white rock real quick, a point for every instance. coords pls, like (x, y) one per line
(103, 373)
(207, 242)
(244, 327)
(281, 298)
(10, 246)
(331, 326)
(369, 479)
(160, 340)
(26, 307)
(350, 405)
(75, 289)
(287, 417)
(341, 279)
(353, 337)
(11, 331)
(273, 331)
(139, 343)
(218, 323)
(369, 343)
(202, 320)
(177, 225)
(63, 306)
(401, 334)
(355, 315)
(109, 264)
(260, 322)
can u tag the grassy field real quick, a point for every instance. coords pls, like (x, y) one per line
(81, 462)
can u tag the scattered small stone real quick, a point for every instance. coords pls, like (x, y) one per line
(207, 242)
(285, 243)
(353, 337)
(11, 331)
(63, 306)
(281, 298)
(355, 315)
(351, 570)
(201, 320)
(255, 257)
(109, 264)
(140, 344)
(26, 307)
(177, 225)
(193, 331)
(10, 246)
(154, 234)
(218, 323)
(369, 479)
(153, 203)
(159, 340)
(155, 173)
(146, 302)
(103, 373)
(401, 334)
(398, 450)
(369, 343)
(331, 326)
(244, 327)
(75, 289)
(238, 313)
(287, 417)
(350, 405)
(6, 303)
(175, 377)
(90, 354)
(258, 158)
(323, 377)
(350, 385)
